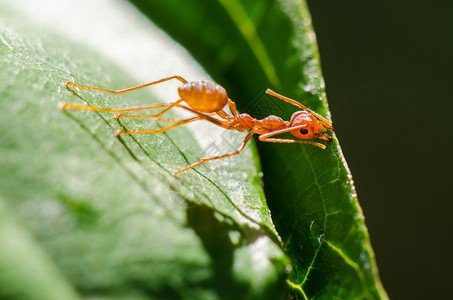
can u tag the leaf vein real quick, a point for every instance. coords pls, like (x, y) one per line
(353, 265)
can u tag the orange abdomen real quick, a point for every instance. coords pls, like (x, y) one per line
(204, 96)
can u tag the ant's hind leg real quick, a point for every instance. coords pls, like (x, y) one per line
(169, 107)
(181, 122)
(63, 105)
(68, 83)
(151, 117)
(206, 159)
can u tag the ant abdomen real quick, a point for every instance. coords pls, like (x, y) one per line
(204, 96)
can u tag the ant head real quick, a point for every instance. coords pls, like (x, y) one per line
(313, 127)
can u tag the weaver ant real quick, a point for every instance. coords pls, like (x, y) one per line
(207, 99)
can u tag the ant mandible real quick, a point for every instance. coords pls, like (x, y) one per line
(207, 99)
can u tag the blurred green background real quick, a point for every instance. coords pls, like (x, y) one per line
(388, 70)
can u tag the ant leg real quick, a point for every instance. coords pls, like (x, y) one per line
(113, 110)
(286, 99)
(206, 159)
(323, 120)
(289, 141)
(220, 123)
(68, 83)
(146, 116)
(233, 111)
(169, 107)
(266, 137)
(232, 106)
(149, 116)
(206, 117)
(181, 122)
(123, 109)
(224, 115)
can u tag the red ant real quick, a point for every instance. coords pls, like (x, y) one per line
(206, 99)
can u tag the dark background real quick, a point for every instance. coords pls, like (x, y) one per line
(388, 68)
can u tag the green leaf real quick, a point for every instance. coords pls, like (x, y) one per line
(252, 45)
(26, 272)
(90, 214)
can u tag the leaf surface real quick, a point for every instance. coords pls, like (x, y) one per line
(249, 46)
(103, 217)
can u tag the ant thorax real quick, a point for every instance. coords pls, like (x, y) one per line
(246, 121)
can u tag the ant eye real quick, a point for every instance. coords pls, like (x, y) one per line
(303, 131)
